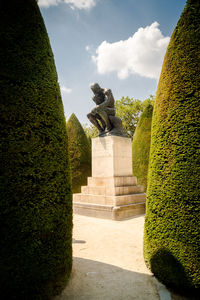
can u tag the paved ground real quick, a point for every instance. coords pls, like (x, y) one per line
(108, 262)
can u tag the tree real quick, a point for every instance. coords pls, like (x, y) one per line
(141, 146)
(172, 229)
(35, 189)
(129, 111)
(79, 152)
(148, 101)
(91, 131)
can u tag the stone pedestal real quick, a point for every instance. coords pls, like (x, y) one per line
(112, 192)
(111, 156)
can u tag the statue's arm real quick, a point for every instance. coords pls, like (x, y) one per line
(109, 99)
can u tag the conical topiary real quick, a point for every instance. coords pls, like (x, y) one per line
(35, 190)
(141, 146)
(79, 153)
(172, 225)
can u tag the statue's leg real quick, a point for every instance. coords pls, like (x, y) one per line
(103, 124)
(93, 120)
(105, 118)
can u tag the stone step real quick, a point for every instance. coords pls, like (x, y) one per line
(94, 190)
(130, 199)
(112, 191)
(93, 210)
(108, 211)
(93, 199)
(109, 200)
(112, 181)
(128, 211)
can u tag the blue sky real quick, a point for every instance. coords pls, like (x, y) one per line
(118, 43)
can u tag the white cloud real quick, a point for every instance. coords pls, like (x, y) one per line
(66, 90)
(87, 48)
(142, 53)
(47, 3)
(80, 4)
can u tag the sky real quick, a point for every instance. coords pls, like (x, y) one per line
(118, 43)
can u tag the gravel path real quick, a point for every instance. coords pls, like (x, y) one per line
(108, 261)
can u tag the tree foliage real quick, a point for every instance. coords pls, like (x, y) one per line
(141, 146)
(172, 228)
(79, 152)
(35, 189)
(129, 111)
(91, 131)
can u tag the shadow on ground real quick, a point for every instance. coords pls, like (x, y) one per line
(91, 280)
(74, 241)
(166, 267)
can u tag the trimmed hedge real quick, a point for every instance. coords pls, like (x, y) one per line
(172, 225)
(79, 153)
(141, 146)
(35, 190)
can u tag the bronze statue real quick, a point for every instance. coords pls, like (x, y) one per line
(103, 115)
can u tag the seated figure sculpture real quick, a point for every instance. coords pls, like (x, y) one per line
(103, 115)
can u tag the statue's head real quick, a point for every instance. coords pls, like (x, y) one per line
(96, 88)
(99, 96)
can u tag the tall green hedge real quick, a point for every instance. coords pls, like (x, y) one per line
(141, 146)
(35, 190)
(172, 225)
(79, 153)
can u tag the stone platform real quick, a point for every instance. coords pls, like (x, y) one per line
(112, 192)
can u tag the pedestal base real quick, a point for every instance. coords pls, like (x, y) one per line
(117, 213)
(115, 198)
(112, 192)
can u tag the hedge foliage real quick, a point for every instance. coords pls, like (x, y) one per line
(141, 146)
(172, 225)
(79, 153)
(35, 189)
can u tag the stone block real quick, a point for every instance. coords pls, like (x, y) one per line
(93, 210)
(117, 213)
(112, 181)
(109, 200)
(128, 211)
(110, 190)
(129, 199)
(93, 199)
(94, 190)
(111, 156)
